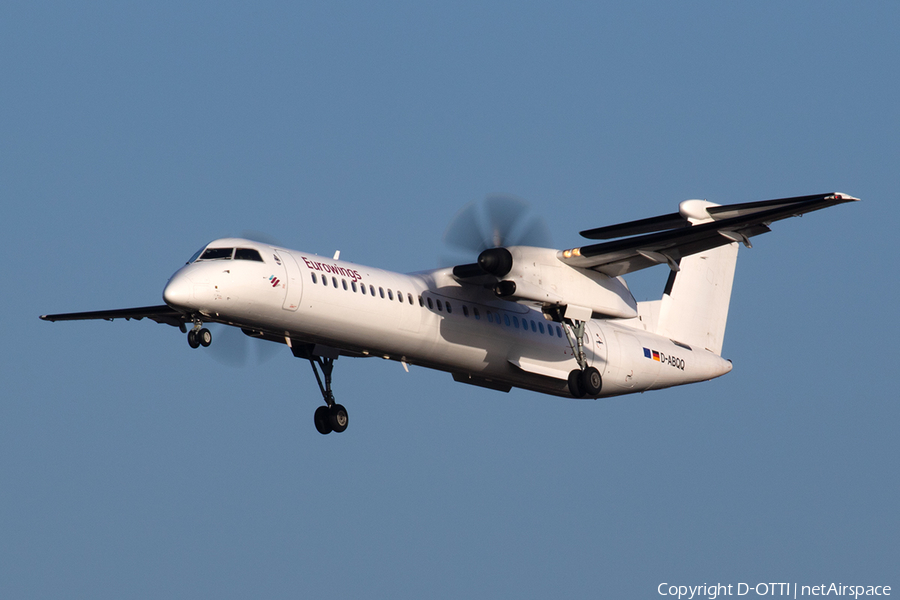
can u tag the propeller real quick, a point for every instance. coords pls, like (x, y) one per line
(495, 222)
(231, 347)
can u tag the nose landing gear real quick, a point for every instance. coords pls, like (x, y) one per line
(199, 336)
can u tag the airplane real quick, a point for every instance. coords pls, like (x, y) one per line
(559, 322)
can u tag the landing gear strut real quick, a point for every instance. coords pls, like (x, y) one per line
(585, 380)
(332, 416)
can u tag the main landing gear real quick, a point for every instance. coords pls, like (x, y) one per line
(585, 380)
(332, 416)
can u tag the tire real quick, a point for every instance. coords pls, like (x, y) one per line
(591, 382)
(338, 418)
(576, 385)
(322, 421)
(193, 339)
(204, 337)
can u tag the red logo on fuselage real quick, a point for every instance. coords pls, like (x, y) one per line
(333, 269)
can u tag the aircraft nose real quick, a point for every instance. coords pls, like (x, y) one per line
(179, 292)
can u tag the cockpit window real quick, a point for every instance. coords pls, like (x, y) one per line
(216, 253)
(195, 256)
(247, 254)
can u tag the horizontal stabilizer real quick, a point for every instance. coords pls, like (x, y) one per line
(651, 225)
(726, 225)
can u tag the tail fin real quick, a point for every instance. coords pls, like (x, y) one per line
(694, 306)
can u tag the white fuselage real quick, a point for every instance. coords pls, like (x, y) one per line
(428, 319)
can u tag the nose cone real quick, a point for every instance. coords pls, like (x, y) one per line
(179, 292)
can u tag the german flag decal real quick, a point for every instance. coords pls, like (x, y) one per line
(672, 361)
(651, 354)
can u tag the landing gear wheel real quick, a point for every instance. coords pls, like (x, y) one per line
(591, 382)
(576, 384)
(332, 416)
(193, 339)
(204, 337)
(322, 420)
(337, 418)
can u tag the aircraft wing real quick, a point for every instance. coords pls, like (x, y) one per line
(668, 238)
(160, 314)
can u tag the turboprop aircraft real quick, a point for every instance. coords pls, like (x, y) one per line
(561, 322)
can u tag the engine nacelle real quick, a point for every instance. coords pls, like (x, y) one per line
(537, 275)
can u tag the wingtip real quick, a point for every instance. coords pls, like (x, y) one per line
(845, 197)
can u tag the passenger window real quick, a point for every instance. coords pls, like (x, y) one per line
(381, 291)
(324, 281)
(516, 322)
(400, 297)
(541, 327)
(362, 288)
(477, 314)
(430, 305)
(440, 305)
(506, 319)
(421, 302)
(390, 295)
(314, 278)
(247, 254)
(490, 317)
(465, 310)
(372, 290)
(334, 281)
(344, 284)
(558, 331)
(409, 297)
(533, 328)
(353, 286)
(449, 309)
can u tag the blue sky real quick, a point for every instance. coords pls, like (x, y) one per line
(132, 466)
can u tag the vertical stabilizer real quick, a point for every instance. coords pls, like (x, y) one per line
(694, 306)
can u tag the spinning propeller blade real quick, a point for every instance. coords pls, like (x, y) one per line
(497, 221)
(231, 347)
